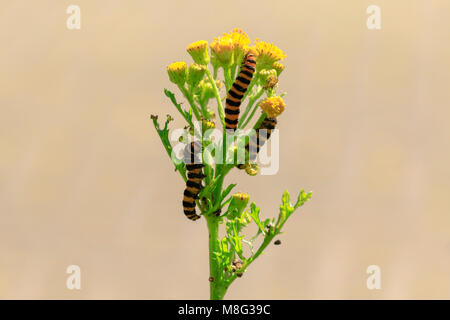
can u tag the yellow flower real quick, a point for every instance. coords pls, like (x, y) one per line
(222, 50)
(199, 52)
(272, 106)
(177, 72)
(208, 124)
(240, 38)
(240, 42)
(268, 53)
(279, 67)
(230, 48)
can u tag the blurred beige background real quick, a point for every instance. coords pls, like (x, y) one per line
(84, 179)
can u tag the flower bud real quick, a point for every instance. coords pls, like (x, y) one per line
(252, 169)
(268, 78)
(207, 89)
(240, 200)
(237, 205)
(177, 72)
(195, 74)
(211, 114)
(199, 52)
(208, 124)
(279, 67)
(271, 81)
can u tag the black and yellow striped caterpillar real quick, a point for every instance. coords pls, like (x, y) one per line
(237, 90)
(258, 140)
(195, 176)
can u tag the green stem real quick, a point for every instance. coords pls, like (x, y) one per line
(189, 98)
(220, 173)
(260, 120)
(228, 79)
(217, 288)
(252, 100)
(171, 96)
(251, 85)
(216, 94)
(251, 116)
(267, 240)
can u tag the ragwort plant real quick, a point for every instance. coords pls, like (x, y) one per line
(205, 182)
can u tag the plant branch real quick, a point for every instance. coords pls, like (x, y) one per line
(216, 94)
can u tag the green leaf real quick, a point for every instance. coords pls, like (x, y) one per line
(254, 213)
(227, 191)
(225, 245)
(186, 115)
(286, 208)
(164, 136)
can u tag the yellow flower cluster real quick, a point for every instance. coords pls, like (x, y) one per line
(272, 106)
(222, 50)
(267, 54)
(230, 47)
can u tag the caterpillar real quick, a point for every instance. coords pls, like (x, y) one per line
(258, 140)
(237, 90)
(195, 176)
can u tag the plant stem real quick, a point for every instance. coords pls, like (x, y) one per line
(260, 120)
(228, 79)
(216, 94)
(217, 287)
(171, 96)
(243, 122)
(267, 240)
(166, 143)
(189, 98)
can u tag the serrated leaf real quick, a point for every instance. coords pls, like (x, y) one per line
(254, 213)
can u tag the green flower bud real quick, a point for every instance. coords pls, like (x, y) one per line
(199, 52)
(211, 113)
(265, 75)
(238, 203)
(207, 90)
(177, 72)
(279, 67)
(195, 74)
